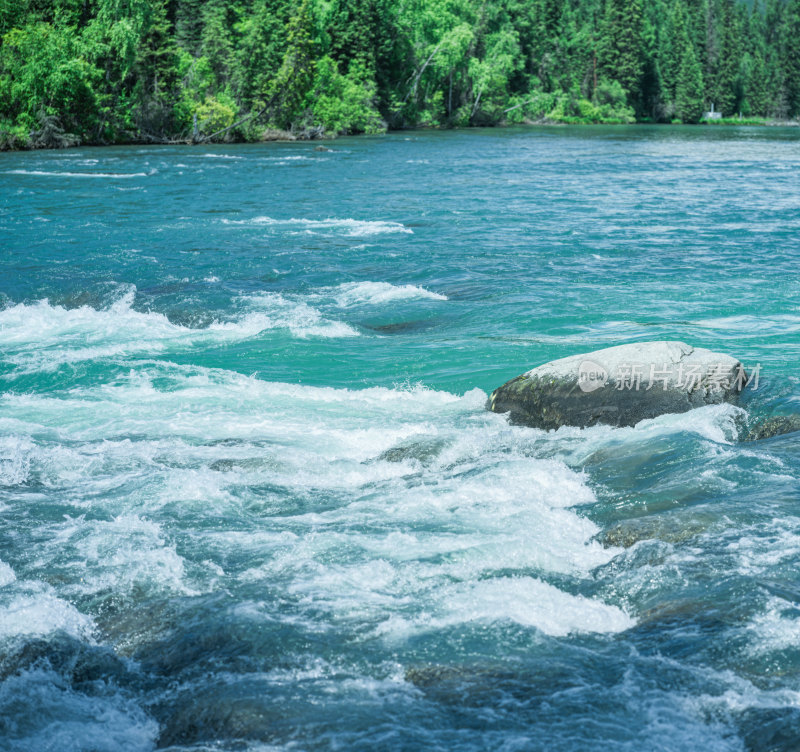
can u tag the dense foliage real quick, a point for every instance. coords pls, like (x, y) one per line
(107, 71)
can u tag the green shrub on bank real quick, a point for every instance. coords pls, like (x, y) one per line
(215, 114)
(608, 106)
(343, 104)
(14, 136)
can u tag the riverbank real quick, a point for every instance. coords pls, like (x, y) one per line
(57, 139)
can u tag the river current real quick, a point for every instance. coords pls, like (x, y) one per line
(250, 496)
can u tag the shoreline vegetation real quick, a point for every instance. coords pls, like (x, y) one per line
(68, 141)
(96, 72)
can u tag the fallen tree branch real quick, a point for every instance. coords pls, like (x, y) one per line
(522, 104)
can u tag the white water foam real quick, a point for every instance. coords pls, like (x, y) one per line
(14, 459)
(291, 158)
(445, 542)
(777, 628)
(47, 173)
(404, 543)
(7, 575)
(376, 293)
(274, 311)
(350, 227)
(33, 609)
(524, 600)
(717, 424)
(127, 554)
(41, 336)
(762, 551)
(768, 325)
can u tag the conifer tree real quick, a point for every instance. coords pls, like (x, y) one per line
(673, 34)
(216, 41)
(756, 86)
(729, 62)
(260, 50)
(791, 57)
(689, 90)
(622, 45)
(288, 89)
(155, 73)
(189, 24)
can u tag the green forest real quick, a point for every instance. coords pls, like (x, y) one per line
(121, 71)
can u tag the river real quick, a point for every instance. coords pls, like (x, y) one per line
(250, 496)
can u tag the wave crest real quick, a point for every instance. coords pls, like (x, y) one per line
(42, 336)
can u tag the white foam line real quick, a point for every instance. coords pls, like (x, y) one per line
(351, 227)
(80, 174)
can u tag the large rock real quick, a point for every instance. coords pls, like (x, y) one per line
(620, 386)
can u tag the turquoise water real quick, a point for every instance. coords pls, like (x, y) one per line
(250, 496)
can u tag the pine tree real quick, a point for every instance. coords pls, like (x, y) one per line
(622, 45)
(156, 73)
(673, 34)
(189, 24)
(729, 61)
(651, 76)
(351, 31)
(216, 42)
(288, 89)
(260, 50)
(698, 17)
(773, 27)
(11, 13)
(689, 91)
(791, 57)
(363, 33)
(547, 17)
(756, 87)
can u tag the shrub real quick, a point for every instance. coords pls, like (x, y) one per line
(214, 114)
(13, 136)
(344, 103)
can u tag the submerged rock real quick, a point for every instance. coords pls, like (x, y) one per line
(216, 717)
(78, 663)
(471, 685)
(776, 425)
(402, 327)
(620, 386)
(243, 464)
(422, 450)
(668, 529)
(426, 676)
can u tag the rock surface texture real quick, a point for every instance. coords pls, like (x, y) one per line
(620, 386)
(775, 425)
